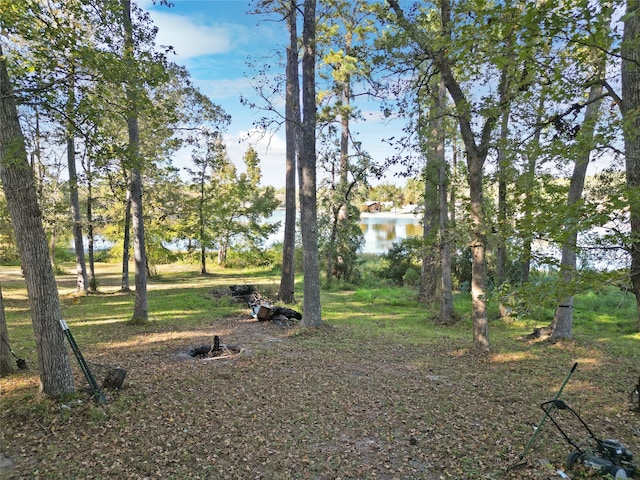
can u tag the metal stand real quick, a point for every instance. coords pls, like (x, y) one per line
(97, 394)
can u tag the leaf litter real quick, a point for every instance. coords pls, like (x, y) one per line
(332, 403)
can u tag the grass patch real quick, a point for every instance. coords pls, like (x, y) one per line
(379, 391)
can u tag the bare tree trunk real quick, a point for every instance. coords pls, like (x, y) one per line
(56, 376)
(446, 286)
(563, 318)
(430, 270)
(93, 282)
(630, 54)
(5, 349)
(287, 280)
(126, 241)
(203, 259)
(201, 221)
(503, 231)
(476, 156)
(312, 314)
(446, 280)
(140, 308)
(222, 251)
(81, 267)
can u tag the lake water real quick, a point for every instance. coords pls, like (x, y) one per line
(380, 230)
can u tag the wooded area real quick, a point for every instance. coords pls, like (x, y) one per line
(506, 105)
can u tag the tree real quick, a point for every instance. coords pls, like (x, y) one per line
(344, 39)
(477, 149)
(563, 318)
(230, 208)
(312, 314)
(56, 376)
(292, 133)
(432, 140)
(209, 161)
(630, 52)
(74, 200)
(140, 308)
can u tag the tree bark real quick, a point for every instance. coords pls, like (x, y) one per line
(446, 280)
(56, 376)
(286, 292)
(630, 53)
(81, 266)
(93, 282)
(561, 326)
(503, 231)
(476, 156)
(201, 220)
(312, 315)
(140, 308)
(5, 349)
(126, 240)
(434, 149)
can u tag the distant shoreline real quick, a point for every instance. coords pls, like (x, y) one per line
(400, 213)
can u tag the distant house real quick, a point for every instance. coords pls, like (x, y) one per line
(372, 207)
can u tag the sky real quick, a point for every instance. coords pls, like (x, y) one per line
(216, 40)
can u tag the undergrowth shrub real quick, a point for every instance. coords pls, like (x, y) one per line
(402, 256)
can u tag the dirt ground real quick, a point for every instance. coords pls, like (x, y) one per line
(331, 403)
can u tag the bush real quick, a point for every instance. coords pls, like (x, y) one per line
(411, 277)
(402, 256)
(250, 257)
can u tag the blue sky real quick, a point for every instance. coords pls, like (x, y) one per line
(214, 40)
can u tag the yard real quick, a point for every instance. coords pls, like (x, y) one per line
(377, 393)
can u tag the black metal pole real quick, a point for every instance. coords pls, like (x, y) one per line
(95, 388)
(546, 413)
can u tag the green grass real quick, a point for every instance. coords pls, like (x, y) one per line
(343, 400)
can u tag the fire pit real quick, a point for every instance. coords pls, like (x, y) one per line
(214, 351)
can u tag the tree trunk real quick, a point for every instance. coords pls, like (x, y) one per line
(446, 286)
(477, 245)
(503, 231)
(56, 376)
(446, 280)
(93, 282)
(630, 54)
(529, 199)
(201, 221)
(312, 315)
(563, 318)
(5, 349)
(81, 267)
(203, 259)
(140, 308)
(476, 156)
(292, 127)
(430, 269)
(126, 240)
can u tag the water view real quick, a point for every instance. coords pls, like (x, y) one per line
(380, 230)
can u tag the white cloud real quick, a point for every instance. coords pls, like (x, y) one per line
(225, 87)
(190, 39)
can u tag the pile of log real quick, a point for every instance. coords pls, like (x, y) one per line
(261, 308)
(266, 311)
